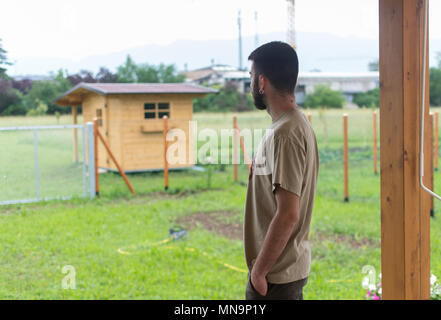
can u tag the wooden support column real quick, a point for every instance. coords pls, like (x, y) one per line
(405, 206)
(235, 151)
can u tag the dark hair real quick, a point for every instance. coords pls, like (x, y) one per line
(279, 63)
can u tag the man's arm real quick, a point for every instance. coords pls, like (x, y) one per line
(279, 231)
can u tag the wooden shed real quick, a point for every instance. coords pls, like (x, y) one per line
(130, 119)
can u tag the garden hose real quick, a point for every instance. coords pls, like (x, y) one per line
(175, 233)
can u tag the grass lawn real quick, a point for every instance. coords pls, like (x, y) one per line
(38, 239)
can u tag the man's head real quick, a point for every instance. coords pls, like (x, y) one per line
(277, 63)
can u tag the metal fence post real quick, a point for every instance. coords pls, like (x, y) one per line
(37, 175)
(83, 132)
(91, 159)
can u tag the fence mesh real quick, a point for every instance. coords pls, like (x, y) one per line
(40, 163)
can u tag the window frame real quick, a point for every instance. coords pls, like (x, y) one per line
(157, 110)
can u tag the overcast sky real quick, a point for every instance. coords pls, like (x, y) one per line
(80, 28)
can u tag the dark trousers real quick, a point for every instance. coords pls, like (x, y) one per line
(277, 291)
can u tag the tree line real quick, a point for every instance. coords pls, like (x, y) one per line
(27, 97)
(20, 97)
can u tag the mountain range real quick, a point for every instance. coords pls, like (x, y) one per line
(316, 51)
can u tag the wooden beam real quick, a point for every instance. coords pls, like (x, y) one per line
(235, 152)
(165, 123)
(121, 171)
(404, 219)
(345, 158)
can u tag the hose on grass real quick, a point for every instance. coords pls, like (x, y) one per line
(175, 233)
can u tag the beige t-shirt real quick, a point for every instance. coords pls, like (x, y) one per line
(288, 156)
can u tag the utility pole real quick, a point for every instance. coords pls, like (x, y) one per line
(239, 24)
(291, 32)
(256, 37)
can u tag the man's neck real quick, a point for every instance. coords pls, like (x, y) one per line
(278, 105)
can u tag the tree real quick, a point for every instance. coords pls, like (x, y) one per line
(105, 76)
(127, 73)
(374, 65)
(7, 96)
(435, 86)
(3, 61)
(82, 76)
(146, 73)
(131, 72)
(47, 91)
(324, 96)
(168, 74)
(435, 83)
(228, 99)
(369, 99)
(22, 85)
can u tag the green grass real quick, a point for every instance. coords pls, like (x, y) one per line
(37, 240)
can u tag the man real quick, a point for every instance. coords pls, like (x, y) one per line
(282, 181)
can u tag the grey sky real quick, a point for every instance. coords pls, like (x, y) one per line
(80, 28)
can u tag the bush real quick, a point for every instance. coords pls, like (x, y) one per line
(324, 96)
(39, 111)
(435, 86)
(47, 91)
(369, 99)
(228, 99)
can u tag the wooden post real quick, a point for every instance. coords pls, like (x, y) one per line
(165, 152)
(235, 153)
(375, 143)
(95, 139)
(309, 117)
(405, 222)
(345, 157)
(121, 171)
(75, 134)
(436, 151)
(242, 146)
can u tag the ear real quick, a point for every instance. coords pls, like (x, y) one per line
(262, 82)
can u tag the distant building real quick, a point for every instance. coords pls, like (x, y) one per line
(219, 74)
(348, 83)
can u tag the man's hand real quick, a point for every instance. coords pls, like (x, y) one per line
(259, 282)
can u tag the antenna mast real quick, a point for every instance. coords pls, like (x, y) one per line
(256, 37)
(239, 24)
(291, 32)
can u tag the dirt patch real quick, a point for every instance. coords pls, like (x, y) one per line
(320, 236)
(215, 221)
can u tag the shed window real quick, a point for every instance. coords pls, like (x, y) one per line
(164, 109)
(149, 111)
(156, 110)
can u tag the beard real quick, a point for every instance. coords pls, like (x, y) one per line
(257, 97)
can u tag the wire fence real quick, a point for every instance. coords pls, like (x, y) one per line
(44, 163)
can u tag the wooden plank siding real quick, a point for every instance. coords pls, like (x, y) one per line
(123, 120)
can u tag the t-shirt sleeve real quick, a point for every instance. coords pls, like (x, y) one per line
(289, 165)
